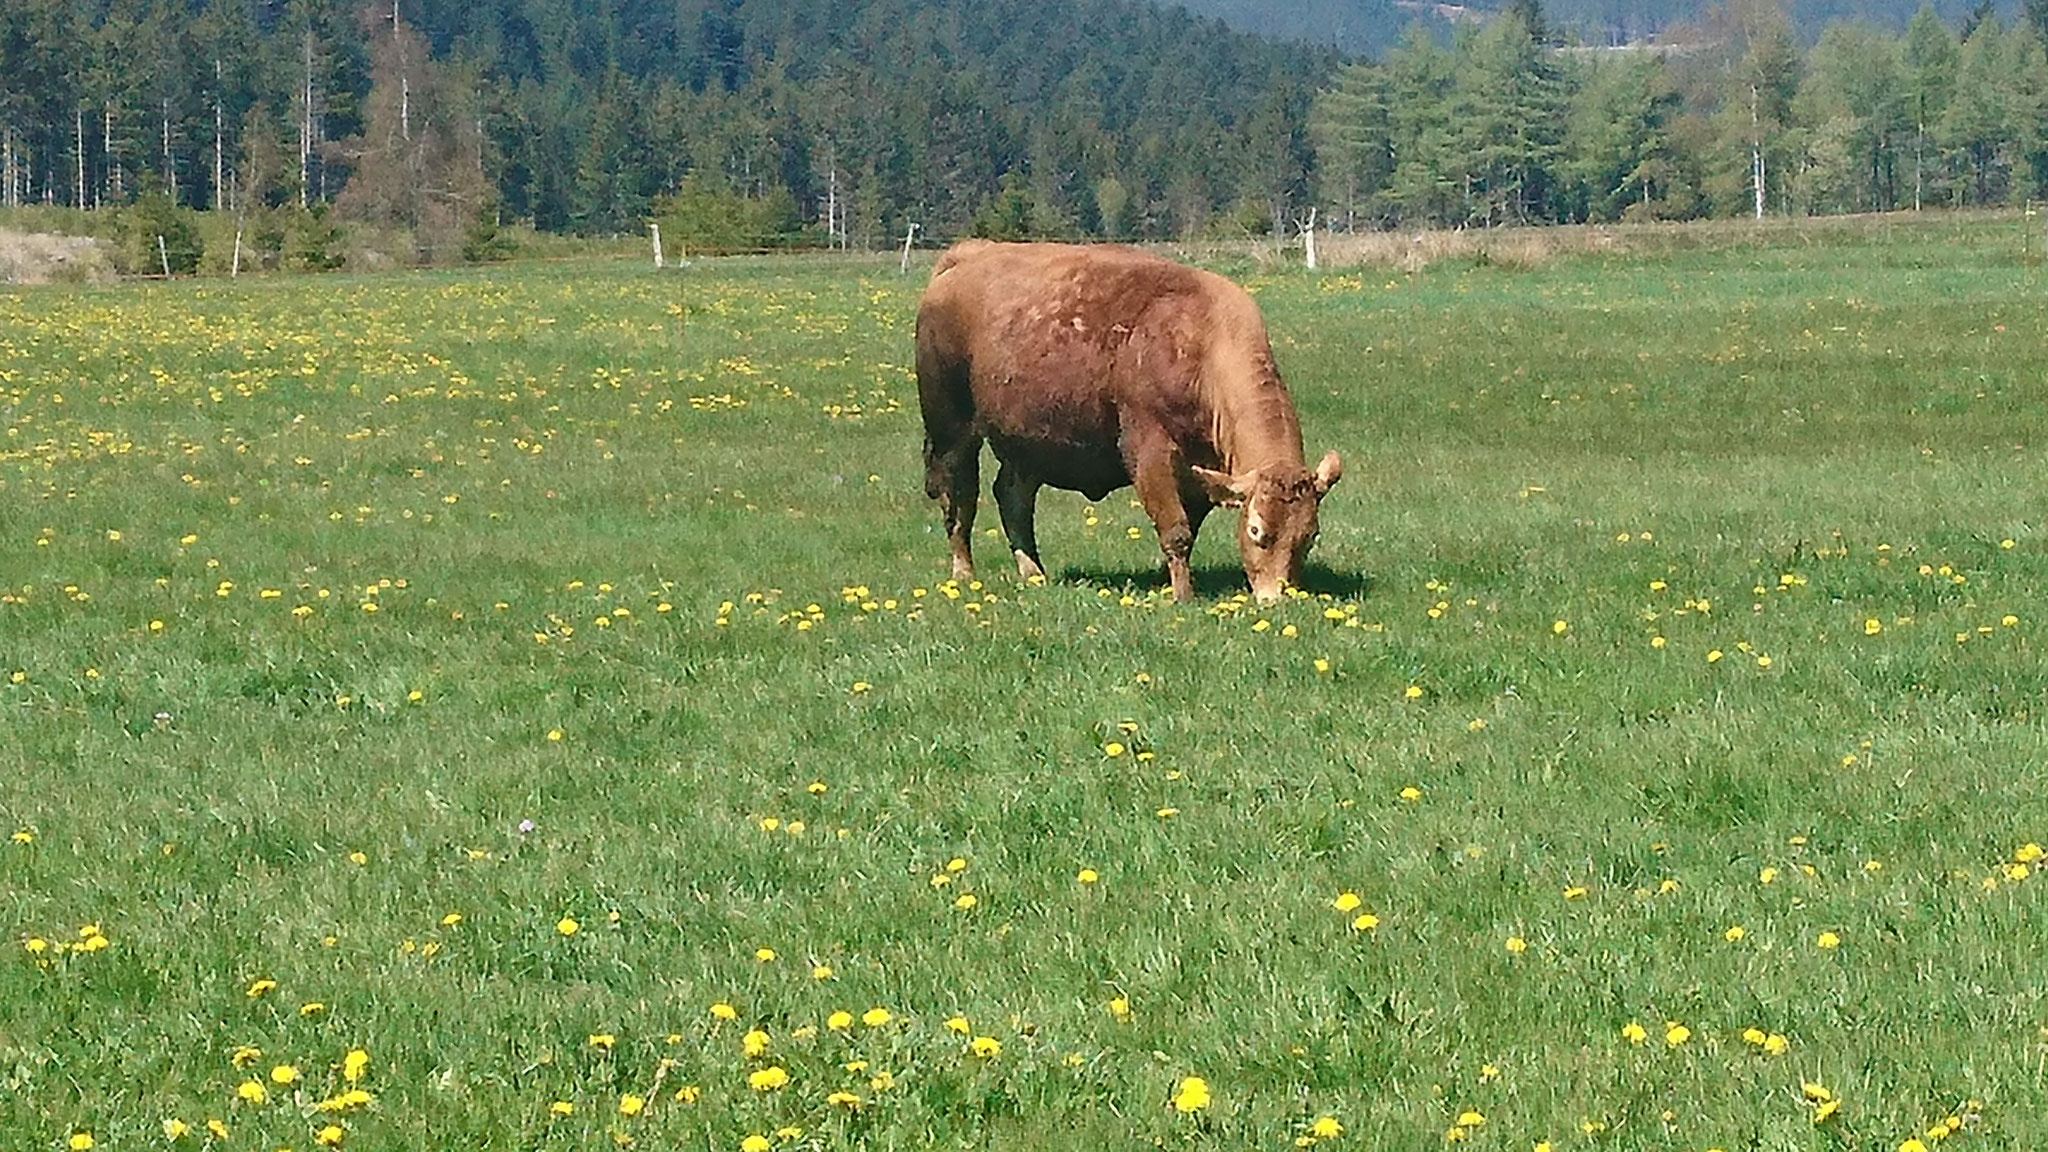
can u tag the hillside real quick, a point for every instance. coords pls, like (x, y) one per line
(1081, 115)
(1368, 27)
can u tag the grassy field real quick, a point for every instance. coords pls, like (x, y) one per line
(520, 709)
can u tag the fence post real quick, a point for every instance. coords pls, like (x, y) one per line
(656, 230)
(909, 234)
(163, 255)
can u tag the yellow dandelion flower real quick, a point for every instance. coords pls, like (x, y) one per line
(985, 1047)
(724, 1011)
(1346, 901)
(755, 1142)
(958, 1025)
(252, 1092)
(176, 1129)
(631, 1105)
(1192, 1095)
(1828, 940)
(1516, 945)
(1734, 933)
(688, 1094)
(754, 1043)
(1365, 922)
(765, 955)
(259, 987)
(80, 1142)
(839, 1021)
(768, 1079)
(821, 971)
(1676, 1034)
(329, 1136)
(876, 1017)
(1634, 1032)
(285, 1074)
(1086, 876)
(1326, 1128)
(567, 926)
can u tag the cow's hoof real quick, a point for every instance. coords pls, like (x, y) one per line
(1028, 569)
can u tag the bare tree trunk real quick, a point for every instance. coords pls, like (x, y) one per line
(1919, 147)
(170, 163)
(78, 114)
(219, 156)
(306, 122)
(1756, 149)
(831, 204)
(107, 146)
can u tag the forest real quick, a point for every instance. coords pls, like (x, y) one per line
(751, 124)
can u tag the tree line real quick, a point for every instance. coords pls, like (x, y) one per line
(1729, 117)
(836, 123)
(758, 123)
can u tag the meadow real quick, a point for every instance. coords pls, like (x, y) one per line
(523, 709)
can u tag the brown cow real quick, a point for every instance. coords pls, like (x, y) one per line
(1089, 368)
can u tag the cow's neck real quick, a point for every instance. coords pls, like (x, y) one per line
(1255, 426)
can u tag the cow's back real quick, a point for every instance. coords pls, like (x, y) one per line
(1061, 350)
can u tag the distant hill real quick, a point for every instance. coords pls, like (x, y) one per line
(1368, 27)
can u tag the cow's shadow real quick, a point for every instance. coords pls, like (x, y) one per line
(1220, 582)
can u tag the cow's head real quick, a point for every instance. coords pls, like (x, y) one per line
(1277, 522)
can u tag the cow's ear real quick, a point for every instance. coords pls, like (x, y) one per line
(1328, 473)
(1223, 489)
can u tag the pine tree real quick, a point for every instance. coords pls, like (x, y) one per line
(1930, 57)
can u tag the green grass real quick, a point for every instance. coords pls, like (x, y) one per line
(206, 487)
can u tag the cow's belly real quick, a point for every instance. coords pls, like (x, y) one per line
(1091, 468)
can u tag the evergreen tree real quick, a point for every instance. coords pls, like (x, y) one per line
(1930, 58)
(1421, 77)
(1510, 103)
(1349, 130)
(1853, 106)
(1621, 159)
(1975, 130)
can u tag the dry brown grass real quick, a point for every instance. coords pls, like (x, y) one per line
(1535, 247)
(37, 258)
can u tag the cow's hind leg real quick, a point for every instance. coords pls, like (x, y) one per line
(1017, 501)
(953, 476)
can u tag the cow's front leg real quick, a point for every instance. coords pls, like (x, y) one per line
(1154, 475)
(1017, 501)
